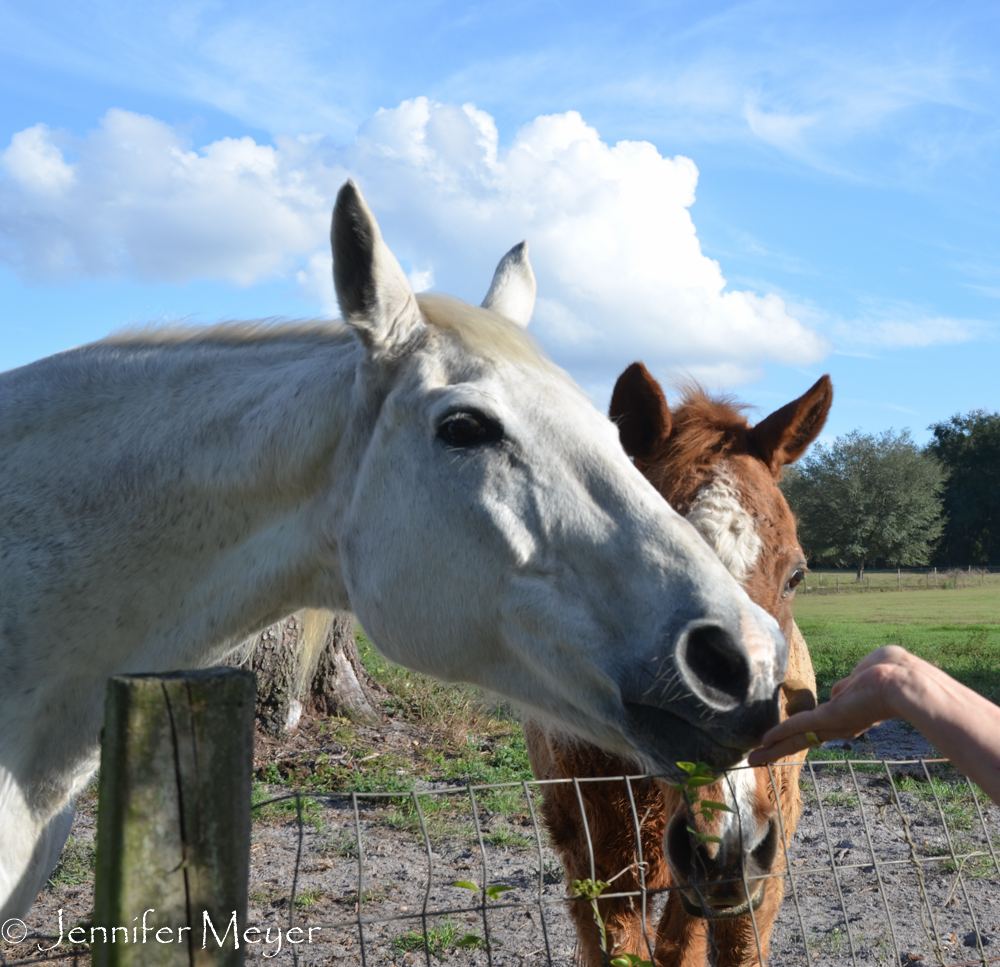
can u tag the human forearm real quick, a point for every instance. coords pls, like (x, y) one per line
(892, 683)
(963, 725)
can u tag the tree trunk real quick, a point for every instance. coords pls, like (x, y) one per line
(341, 685)
(308, 664)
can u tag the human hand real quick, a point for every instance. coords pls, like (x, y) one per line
(863, 699)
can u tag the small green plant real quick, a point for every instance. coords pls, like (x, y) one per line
(342, 843)
(510, 838)
(698, 774)
(591, 890)
(264, 897)
(493, 892)
(271, 774)
(438, 940)
(308, 898)
(472, 940)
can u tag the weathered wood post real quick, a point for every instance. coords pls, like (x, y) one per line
(173, 828)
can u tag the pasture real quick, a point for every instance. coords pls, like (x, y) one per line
(957, 629)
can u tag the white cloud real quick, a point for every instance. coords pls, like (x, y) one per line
(784, 131)
(36, 163)
(620, 268)
(901, 325)
(137, 201)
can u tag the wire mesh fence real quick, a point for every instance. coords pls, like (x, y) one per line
(828, 581)
(893, 862)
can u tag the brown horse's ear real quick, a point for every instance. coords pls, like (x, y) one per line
(782, 437)
(640, 409)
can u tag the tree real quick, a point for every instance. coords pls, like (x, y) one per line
(867, 499)
(969, 449)
(308, 664)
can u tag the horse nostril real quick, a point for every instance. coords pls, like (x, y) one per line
(716, 662)
(765, 852)
(679, 846)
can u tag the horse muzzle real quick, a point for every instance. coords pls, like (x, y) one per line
(709, 693)
(724, 881)
(698, 905)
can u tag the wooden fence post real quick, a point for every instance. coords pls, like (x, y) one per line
(173, 827)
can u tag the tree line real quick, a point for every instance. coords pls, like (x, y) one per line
(880, 500)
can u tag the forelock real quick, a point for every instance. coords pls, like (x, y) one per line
(722, 520)
(482, 332)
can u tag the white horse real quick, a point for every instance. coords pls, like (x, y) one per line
(163, 494)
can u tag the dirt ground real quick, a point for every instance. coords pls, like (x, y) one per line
(886, 868)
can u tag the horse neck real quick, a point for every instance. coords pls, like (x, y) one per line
(198, 468)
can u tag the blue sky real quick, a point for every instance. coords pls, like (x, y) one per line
(750, 193)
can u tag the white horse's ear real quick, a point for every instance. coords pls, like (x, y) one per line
(374, 294)
(512, 292)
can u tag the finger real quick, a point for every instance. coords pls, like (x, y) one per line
(778, 750)
(801, 722)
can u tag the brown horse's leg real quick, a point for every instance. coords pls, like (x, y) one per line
(681, 940)
(609, 834)
(736, 940)
(611, 825)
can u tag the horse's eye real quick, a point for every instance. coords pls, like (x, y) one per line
(469, 430)
(795, 580)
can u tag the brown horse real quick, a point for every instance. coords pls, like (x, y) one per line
(722, 474)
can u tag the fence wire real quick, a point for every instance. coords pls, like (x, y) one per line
(892, 863)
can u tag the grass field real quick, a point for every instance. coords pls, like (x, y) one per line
(956, 629)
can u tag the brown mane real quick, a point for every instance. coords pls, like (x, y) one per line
(704, 429)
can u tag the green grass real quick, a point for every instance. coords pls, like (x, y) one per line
(343, 843)
(76, 864)
(285, 810)
(440, 939)
(441, 820)
(957, 630)
(308, 898)
(477, 739)
(475, 746)
(508, 838)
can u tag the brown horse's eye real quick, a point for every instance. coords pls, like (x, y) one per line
(795, 580)
(461, 430)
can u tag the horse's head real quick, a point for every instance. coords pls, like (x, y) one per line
(495, 532)
(722, 474)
